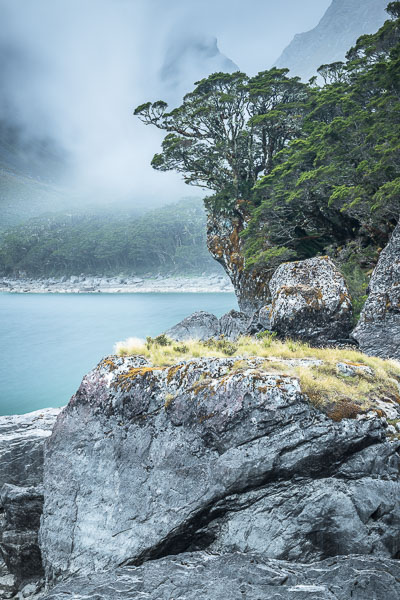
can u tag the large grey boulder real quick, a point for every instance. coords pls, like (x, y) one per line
(203, 326)
(22, 439)
(206, 455)
(200, 326)
(21, 446)
(260, 321)
(310, 301)
(233, 325)
(378, 330)
(204, 576)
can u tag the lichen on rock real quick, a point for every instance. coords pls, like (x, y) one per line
(378, 330)
(310, 301)
(215, 454)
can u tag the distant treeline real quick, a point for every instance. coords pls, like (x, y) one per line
(171, 238)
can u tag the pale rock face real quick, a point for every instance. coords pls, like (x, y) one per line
(203, 326)
(340, 27)
(310, 301)
(200, 325)
(21, 473)
(203, 576)
(21, 446)
(378, 330)
(201, 456)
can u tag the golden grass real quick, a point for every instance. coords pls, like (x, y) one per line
(340, 396)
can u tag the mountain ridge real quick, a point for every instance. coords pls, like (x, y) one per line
(340, 27)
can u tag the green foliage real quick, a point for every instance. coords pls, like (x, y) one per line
(319, 165)
(160, 340)
(221, 345)
(228, 130)
(171, 238)
(339, 181)
(266, 337)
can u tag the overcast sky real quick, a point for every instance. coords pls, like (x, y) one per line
(74, 70)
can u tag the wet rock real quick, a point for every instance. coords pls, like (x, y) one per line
(378, 330)
(21, 446)
(310, 301)
(233, 325)
(22, 508)
(260, 321)
(203, 576)
(21, 472)
(202, 456)
(8, 586)
(200, 325)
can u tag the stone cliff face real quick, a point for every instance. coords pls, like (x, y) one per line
(310, 301)
(209, 456)
(378, 330)
(343, 23)
(21, 496)
(204, 576)
(226, 246)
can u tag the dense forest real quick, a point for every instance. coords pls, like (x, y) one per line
(168, 239)
(316, 165)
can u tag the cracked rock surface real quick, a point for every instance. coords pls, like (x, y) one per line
(201, 576)
(310, 301)
(203, 457)
(378, 330)
(21, 496)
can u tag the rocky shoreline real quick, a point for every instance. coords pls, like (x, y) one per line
(120, 284)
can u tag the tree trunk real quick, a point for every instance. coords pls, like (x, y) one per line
(226, 246)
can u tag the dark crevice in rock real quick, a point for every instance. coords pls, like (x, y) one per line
(199, 533)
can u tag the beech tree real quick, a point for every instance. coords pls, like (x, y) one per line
(226, 132)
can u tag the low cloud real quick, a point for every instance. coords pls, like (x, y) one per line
(73, 71)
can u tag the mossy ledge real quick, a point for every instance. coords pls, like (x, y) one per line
(343, 383)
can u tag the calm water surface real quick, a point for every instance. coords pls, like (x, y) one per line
(49, 341)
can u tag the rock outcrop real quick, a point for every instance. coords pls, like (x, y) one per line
(233, 324)
(200, 325)
(21, 496)
(203, 576)
(203, 326)
(212, 455)
(22, 508)
(310, 301)
(378, 330)
(226, 246)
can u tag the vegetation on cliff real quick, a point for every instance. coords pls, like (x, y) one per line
(171, 238)
(342, 382)
(316, 164)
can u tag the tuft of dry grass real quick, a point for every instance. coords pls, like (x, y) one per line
(340, 396)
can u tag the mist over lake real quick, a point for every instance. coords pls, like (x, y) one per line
(49, 341)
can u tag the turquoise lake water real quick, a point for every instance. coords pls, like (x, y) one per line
(49, 341)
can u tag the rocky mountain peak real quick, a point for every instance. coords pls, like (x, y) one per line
(342, 24)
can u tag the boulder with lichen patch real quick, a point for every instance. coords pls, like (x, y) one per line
(310, 301)
(212, 454)
(378, 330)
(233, 325)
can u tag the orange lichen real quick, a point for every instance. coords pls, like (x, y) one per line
(108, 363)
(126, 380)
(172, 371)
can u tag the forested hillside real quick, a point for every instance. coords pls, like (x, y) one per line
(171, 238)
(298, 169)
